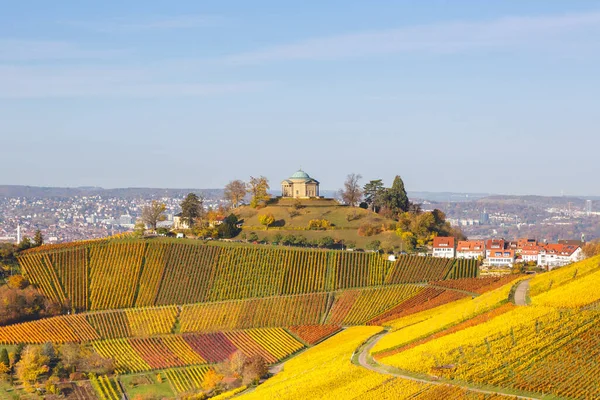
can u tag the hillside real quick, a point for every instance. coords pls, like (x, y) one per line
(481, 348)
(126, 273)
(178, 307)
(292, 217)
(170, 312)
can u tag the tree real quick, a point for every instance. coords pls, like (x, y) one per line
(38, 238)
(326, 241)
(591, 249)
(266, 220)
(25, 244)
(191, 208)
(4, 357)
(70, 356)
(234, 365)
(154, 213)
(373, 191)
(351, 193)
(4, 363)
(374, 245)
(258, 189)
(211, 380)
(397, 197)
(17, 282)
(254, 369)
(139, 229)
(32, 364)
(229, 227)
(235, 191)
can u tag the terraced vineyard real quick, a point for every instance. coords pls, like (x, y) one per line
(127, 273)
(179, 309)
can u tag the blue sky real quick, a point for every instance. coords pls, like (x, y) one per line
(469, 96)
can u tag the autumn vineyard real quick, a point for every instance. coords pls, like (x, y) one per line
(170, 312)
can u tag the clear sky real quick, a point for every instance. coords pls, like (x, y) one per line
(476, 96)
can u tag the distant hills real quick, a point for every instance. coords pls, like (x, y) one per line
(439, 197)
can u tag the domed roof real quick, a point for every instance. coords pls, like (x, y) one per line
(300, 175)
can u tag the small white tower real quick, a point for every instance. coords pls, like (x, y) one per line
(18, 233)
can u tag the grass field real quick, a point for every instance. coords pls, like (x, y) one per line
(291, 221)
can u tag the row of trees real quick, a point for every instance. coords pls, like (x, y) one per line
(257, 187)
(43, 367)
(415, 227)
(234, 372)
(20, 302)
(375, 197)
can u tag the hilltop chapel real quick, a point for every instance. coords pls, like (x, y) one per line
(300, 186)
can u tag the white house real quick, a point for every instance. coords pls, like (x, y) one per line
(443, 247)
(500, 258)
(473, 249)
(179, 223)
(559, 255)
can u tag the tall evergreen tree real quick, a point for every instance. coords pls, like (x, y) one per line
(4, 357)
(191, 208)
(373, 192)
(38, 238)
(396, 197)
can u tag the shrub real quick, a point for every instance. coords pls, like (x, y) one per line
(318, 224)
(266, 219)
(17, 282)
(369, 230)
(293, 213)
(327, 241)
(374, 245)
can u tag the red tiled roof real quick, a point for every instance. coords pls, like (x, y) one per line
(560, 249)
(502, 253)
(470, 245)
(443, 242)
(494, 244)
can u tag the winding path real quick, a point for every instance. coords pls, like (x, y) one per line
(521, 293)
(366, 361)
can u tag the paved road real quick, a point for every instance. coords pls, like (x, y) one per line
(363, 357)
(521, 293)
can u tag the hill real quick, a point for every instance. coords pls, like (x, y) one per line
(170, 313)
(178, 307)
(292, 217)
(481, 348)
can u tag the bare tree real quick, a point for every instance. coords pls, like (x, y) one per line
(153, 213)
(352, 192)
(235, 191)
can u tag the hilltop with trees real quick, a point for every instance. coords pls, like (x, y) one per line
(369, 216)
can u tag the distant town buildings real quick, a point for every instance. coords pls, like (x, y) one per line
(69, 218)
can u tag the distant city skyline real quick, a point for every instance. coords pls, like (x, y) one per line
(454, 96)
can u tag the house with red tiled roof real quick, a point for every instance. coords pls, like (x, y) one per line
(558, 255)
(500, 258)
(443, 247)
(473, 249)
(529, 253)
(494, 244)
